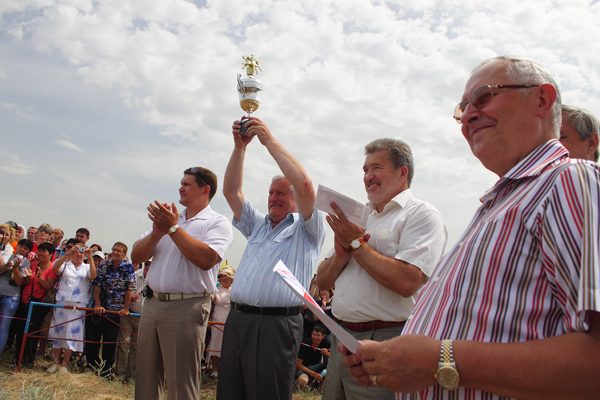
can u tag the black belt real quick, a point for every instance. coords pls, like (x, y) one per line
(369, 325)
(266, 310)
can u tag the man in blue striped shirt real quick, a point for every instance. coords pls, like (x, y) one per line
(263, 329)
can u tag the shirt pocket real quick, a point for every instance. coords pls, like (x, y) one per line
(385, 241)
(283, 236)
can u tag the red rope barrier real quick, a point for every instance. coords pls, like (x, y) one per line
(28, 335)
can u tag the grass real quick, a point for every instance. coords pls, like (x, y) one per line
(37, 384)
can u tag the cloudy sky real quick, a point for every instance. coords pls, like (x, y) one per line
(103, 104)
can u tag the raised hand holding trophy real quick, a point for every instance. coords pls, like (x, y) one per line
(249, 88)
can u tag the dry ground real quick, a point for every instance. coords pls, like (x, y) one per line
(37, 384)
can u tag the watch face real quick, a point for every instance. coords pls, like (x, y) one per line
(355, 244)
(448, 376)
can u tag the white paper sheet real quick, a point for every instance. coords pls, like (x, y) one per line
(355, 212)
(347, 339)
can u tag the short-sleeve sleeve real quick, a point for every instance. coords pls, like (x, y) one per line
(249, 218)
(570, 244)
(423, 240)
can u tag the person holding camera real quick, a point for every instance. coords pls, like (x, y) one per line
(12, 275)
(75, 277)
(34, 288)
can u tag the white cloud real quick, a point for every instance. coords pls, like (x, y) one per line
(69, 145)
(13, 165)
(159, 77)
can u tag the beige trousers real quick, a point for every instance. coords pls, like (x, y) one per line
(170, 346)
(127, 353)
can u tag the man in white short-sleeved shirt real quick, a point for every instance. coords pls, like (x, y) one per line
(186, 248)
(378, 271)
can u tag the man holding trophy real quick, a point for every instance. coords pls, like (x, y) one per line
(262, 332)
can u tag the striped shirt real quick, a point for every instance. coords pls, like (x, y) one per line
(526, 267)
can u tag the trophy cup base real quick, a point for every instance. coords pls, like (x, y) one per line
(249, 105)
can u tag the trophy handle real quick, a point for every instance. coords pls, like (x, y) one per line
(239, 80)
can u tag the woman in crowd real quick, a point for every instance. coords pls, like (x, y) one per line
(12, 275)
(222, 305)
(75, 277)
(7, 234)
(35, 288)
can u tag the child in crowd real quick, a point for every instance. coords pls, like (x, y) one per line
(222, 305)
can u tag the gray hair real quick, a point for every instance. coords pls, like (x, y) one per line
(278, 177)
(400, 154)
(583, 121)
(527, 71)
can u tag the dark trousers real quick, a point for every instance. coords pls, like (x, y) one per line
(258, 356)
(100, 328)
(35, 324)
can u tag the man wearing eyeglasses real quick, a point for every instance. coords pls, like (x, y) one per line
(512, 310)
(579, 133)
(186, 248)
(262, 333)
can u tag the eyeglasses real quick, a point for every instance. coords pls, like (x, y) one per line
(481, 96)
(43, 231)
(198, 173)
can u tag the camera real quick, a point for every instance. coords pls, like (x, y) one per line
(147, 292)
(81, 249)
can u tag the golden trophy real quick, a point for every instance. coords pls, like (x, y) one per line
(249, 88)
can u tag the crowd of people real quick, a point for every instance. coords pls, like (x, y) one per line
(510, 311)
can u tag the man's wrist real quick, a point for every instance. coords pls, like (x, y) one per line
(356, 244)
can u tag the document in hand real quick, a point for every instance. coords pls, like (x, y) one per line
(284, 273)
(355, 212)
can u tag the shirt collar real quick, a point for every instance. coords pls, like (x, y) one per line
(532, 165)
(202, 214)
(291, 217)
(399, 200)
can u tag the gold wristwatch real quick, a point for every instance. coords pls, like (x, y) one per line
(173, 229)
(447, 374)
(355, 244)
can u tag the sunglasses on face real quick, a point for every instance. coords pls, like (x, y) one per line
(43, 231)
(481, 96)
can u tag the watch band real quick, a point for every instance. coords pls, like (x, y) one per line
(446, 352)
(447, 374)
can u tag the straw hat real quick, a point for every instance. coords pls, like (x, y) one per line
(227, 270)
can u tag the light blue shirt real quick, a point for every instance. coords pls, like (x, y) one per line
(294, 241)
